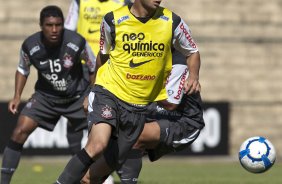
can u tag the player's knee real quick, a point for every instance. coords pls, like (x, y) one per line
(20, 135)
(96, 149)
(99, 147)
(24, 128)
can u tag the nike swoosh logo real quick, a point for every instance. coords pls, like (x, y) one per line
(166, 131)
(186, 140)
(133, 65)
(43, 62)
(93, 31)
(125, 179)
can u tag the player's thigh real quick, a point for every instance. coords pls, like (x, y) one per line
(149, 137)
(75, 114)
(98, 139)
(42, 110)
(25, 126)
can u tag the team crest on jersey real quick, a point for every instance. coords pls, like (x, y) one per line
(106, 112)
(170, 92)
(67, 61)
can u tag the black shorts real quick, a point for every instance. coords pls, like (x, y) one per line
(126, 119)
(46, 112)
(175, 136)
(179, 130)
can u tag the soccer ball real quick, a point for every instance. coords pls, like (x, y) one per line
(257, 154)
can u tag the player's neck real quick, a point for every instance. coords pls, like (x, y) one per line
(140, 11)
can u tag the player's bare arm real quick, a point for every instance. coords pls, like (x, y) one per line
(192, 84)
(19, 86)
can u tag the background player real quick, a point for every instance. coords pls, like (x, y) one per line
(85, 17)
(61, 86)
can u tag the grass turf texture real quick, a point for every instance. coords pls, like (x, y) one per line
(166, 171)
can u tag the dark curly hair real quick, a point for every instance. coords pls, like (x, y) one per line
(50, 11)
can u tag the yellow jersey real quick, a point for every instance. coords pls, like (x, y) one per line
(91, 13)
(140, 56)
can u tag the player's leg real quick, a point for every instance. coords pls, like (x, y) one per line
(78, 165)
(128, 173)
(129, 126)
(98, 138)
(174, 136)
(39, 111)
(74, 138)
(131, 168)
(77, 122)
(12, 152)
(98, 172)
(149, 137)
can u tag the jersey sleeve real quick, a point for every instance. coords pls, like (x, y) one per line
(182, 39)
(72, 17)
(88, 56)
(24, 63)
(106, 35)
(175, 83)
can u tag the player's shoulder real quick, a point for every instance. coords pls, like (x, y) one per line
(32, 41)
(74, 40)
(163, 13)
(70, 35)
(122, 9)
(109, 17)
(32, 38)
(176, 19)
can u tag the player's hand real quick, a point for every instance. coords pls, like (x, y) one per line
(192, 85)
(13, 105)
(85, 104)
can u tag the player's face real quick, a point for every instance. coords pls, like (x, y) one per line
(152, 4)
(52, 29)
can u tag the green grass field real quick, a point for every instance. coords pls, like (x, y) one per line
(183, 170)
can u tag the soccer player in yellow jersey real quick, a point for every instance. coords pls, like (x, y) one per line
(85, 17)
(135, 49)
